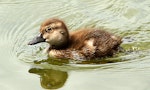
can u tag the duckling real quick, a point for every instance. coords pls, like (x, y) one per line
(83, 44)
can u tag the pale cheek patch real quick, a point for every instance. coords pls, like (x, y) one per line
(45, 36)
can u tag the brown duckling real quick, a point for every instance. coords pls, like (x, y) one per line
(81, 44)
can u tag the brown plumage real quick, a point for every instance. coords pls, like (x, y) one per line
(79, 44)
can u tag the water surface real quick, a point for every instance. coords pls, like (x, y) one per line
(25, 67)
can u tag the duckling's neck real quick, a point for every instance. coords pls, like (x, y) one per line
(60, 47)
(61, 44)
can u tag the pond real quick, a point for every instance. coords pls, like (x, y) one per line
(25, 67)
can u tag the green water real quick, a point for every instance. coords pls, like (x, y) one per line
(26, 67)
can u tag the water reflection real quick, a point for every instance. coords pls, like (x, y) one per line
(49, 78)
(53, 72)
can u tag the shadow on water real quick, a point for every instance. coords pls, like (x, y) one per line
(49, 78)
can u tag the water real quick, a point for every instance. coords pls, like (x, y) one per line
(25, 67)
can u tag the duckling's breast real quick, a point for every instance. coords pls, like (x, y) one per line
(70, 54)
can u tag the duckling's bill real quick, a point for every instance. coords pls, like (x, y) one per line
(36, 40)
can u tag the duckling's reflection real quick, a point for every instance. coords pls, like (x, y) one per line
(49, 78)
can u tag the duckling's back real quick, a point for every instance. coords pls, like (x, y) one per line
(94, 43)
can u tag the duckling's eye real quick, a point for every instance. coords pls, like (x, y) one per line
(48, 29)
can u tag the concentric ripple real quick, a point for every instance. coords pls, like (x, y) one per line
(76, 16)
(20, 22)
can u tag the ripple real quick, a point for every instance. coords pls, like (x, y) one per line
(20, 22)
(27, 20)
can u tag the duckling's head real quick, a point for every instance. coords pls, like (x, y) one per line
(54, 32)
